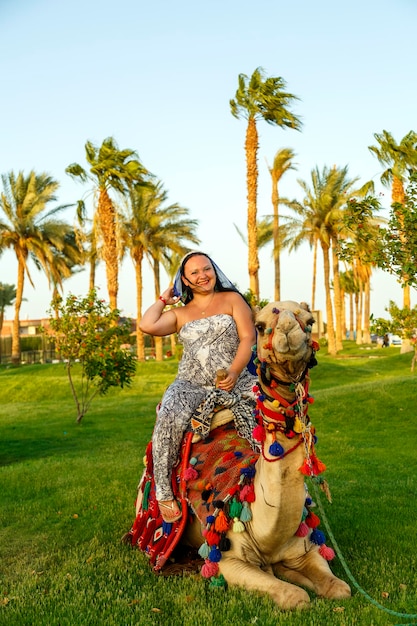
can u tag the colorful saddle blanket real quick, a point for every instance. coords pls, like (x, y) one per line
(212, 480)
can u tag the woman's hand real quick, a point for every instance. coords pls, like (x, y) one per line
(229, 381)
(168, 296)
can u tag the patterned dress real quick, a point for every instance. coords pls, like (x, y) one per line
(209, 344)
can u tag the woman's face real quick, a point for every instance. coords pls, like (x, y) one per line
(199, 273)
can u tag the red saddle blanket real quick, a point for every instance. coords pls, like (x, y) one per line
(209, 476)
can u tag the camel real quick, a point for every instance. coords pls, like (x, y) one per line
(278, 550)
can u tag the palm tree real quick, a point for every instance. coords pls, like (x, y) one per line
(31, 231)
(259, 98)
(349, 287)
(399, 159)
(153, 230)
(283, 161)
(321, 222)
(110, 169)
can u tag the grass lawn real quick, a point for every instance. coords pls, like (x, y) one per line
(67, 496)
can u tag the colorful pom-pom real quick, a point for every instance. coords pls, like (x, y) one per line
(317, 537)
(212, 538)
(326, 552)
(302, 530)
(238, 526)
(275, 449)
(210, 519)
(235, 508)
(204, 550)
(215, 554)
(209, 569)
(221, 524)
(246, 514)
(224, 543)
(312, 520)
(218, 582)
(258, 433)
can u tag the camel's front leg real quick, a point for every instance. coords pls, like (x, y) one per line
(313, 572)
(252, 577)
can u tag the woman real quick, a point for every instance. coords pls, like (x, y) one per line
(216, 328)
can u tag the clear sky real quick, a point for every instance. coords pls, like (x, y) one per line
(158, 76)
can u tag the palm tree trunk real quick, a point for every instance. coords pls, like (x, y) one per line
(398, 196)
(107, 223)
(351, 318)
(251, 149)
(331, 341)
(275, 239)
(337, 298)
(359, 318)
(314, 280)
(16, 355)
(366, 338)
(140, 340)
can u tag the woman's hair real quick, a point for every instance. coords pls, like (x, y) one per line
(222, 282)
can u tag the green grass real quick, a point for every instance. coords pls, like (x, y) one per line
(67, 496)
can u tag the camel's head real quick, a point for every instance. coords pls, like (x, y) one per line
(284, 346)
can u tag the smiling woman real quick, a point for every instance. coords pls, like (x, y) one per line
(215, 326)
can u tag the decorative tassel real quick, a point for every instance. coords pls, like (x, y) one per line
(249, 471)
(209, 569)
(221, 525)
(218, 504)
(306, 468)
(276, 449)
(298, 426)
(249, 493)
(317, 466)
(212, 538)
(224, 543)
(238, 526)
(312, 520)
(246, 514)
(215, 554)
(317, 537)
(302, 530)
(235, 508)
(218, 582)
(204, 550)
(326, 552)
(258, 433)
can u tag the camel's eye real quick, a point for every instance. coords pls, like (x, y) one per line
(260, 327)
(311, 321)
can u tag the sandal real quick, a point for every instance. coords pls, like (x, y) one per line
(171, 512)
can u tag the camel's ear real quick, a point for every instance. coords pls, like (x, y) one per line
(305, 306)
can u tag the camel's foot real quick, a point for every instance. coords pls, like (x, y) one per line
(335, 589)
(314, 573)
(253, 578)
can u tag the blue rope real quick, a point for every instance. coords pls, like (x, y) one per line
(346, 567)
